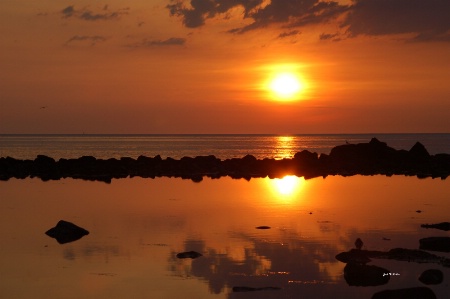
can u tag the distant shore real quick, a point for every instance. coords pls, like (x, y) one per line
(372, 158)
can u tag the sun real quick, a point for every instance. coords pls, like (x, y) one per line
(285, 86)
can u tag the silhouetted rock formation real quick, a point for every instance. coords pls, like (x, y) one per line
(441, 244)
(442, 226)
(364, 275)
(65, 232)
(431, 276)
(410, 293)
(370, 158)
(399, 254)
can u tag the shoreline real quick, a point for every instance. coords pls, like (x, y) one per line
(372, 158)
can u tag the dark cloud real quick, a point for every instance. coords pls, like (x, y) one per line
(425, 20)
(93, 39)
(327, 36)
(290, 33)
(88, 15)
(173, 41)
(292, 12)
(68, 11)
(206, 9)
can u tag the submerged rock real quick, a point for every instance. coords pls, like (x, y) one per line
(189, 254)
(364, 275)
(263, 227)
(409, 293)
(65, 232)
(432, 276)
(442, 226)
(441, 244)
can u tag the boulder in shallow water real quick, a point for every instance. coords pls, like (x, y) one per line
(409, 293)
(441, 244)
(442, 226)
(365, 275)
(431, 276)
(65, 232)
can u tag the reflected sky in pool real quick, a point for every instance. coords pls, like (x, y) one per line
(137, 226)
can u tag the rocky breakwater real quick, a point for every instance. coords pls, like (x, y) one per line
(372, 158)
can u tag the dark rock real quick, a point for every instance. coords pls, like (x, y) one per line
(399, 254)
(442, 226)
(419, 151)
(359, 243)
(250, 289)
(441, 244)
(410, 293)
(432, 276)
(189, 254)
(354, 256)
(363, 275)
(65, 232)
(263, 227)
(371, 158)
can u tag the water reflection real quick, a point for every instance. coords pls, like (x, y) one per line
(285, 147)
(286, 188)
(137, 227)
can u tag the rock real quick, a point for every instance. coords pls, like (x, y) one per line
(263, 227)
(65, 232)
(441, 244)
(398, 254)
(250, 289)
(432, 276)
(409, 293)
(354, 256)
(419, 151)
(442, 226)
(189, 254)
(371, 158)
(359, 243)
(363, 275)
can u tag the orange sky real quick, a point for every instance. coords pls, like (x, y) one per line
(201, 66)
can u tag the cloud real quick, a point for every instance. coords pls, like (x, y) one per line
(93, 39)
(88, 15)
(290, 33)
(293, 12)
(173, 41)
(327, 36)
(206, 9)
(426, 20)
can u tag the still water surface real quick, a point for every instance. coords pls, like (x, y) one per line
(137, 226)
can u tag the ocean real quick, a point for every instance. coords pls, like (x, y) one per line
(221, 146)
(140, 228)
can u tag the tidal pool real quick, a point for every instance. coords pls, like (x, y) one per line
(137, 226)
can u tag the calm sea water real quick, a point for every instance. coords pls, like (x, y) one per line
(177, 146)
(137, 226)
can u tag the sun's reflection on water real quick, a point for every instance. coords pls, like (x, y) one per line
(286, 188)
(284, 147)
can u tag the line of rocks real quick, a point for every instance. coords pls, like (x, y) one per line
(371, 158)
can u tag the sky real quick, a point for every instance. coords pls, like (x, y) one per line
(206, 66)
